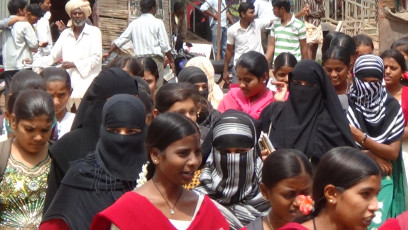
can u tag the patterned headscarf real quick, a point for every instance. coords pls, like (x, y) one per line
(372, 109)
(232, 179)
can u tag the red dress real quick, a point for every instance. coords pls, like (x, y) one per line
(404, 103)
(133, 211)
(293, 226)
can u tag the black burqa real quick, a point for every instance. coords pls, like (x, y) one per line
(96, 181)
(312, 120)
(85, 130)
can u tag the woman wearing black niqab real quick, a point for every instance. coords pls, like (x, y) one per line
(96, 181)
(312, 120)
(85, 129)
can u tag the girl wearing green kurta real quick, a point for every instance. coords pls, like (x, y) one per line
(377, 124)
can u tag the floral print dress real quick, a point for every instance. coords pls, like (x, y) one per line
(22, 194)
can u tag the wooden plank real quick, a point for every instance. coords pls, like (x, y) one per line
(113, 8)
(111, 28)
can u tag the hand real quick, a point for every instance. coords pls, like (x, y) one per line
(27, 61)
(43, 44)
(61, 26)
(357, 134)
(385, 165)
(265, 153)
(105, 55)
(173, 67)
(67, 65)
(226, 77)
(282, 87)
(304, 11)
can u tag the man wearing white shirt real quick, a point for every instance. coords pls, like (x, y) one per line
(20, 40)
(210, 7)
(149, 38)
(80, 48)
(244, 36)
(43, 29)
(264, 10)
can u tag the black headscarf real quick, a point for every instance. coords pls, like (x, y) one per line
(194, 75)
(85, 134)
(312, 120)
(108, 83)
(96, 181)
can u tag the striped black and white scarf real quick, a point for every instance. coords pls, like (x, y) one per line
(372, 109)
(232, 180)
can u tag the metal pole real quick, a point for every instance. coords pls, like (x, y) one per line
(219, 30)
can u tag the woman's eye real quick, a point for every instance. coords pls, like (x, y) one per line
(289, 195)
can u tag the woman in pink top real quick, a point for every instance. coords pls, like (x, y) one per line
(252, 96)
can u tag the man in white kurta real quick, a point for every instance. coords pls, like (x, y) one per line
(42, 28)
(80, 48)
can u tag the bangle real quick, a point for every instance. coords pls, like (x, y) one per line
(365, 138)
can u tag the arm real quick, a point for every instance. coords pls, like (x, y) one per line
(271, 49)
(303, 49)
(385, 151)
(303, 12)
(94, 58)
(229, 18)
(405, 135)
(210, 13)
(120, 41)
(228, 54)
(30, 37)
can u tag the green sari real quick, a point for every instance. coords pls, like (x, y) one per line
(392, 197)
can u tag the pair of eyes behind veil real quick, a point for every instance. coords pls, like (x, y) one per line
(124, 131)
(304, 83)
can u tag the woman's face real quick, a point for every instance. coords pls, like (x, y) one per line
(392, 72)
(355, 206)
(250, 84)
(363, 50)
(32, 135)
(151, 80)
(370, 79)
(337, 71)
(283, 196)
(60, 95)
(282, 74)
(180, 160)
(186, 107)
(201, 86)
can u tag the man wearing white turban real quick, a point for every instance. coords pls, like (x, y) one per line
(80, 48)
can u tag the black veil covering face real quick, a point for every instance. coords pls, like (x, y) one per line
(312, 120)
(84, 134)
(96, 181)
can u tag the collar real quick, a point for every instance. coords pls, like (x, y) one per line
(147, 15)
(250, 24)
(292, 19)
(86, 30)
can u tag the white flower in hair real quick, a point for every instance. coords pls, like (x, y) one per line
(142, 176)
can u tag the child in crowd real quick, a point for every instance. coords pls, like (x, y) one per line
(58, 85)
(364, 44)
(286, 177)
(345, 188)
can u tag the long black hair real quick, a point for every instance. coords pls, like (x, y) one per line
(283, 164)
(166, 129)
(342, 167)
(32, 103)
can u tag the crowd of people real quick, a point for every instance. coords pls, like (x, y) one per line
(294, 144)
